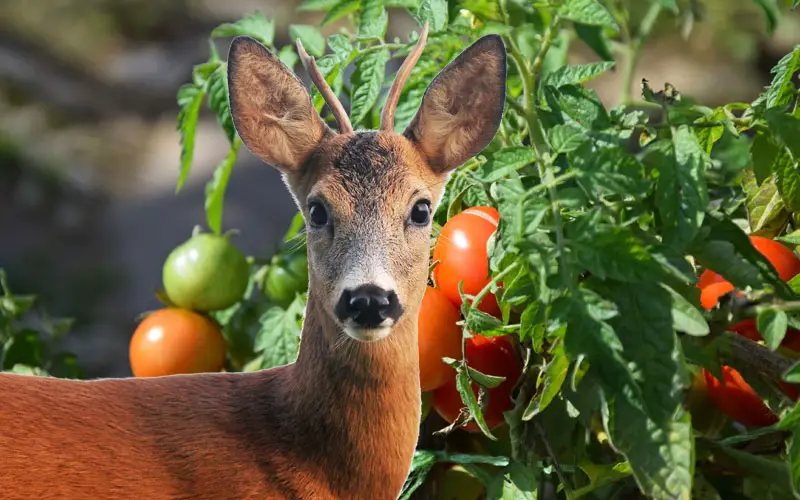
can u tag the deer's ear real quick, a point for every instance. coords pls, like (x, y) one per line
(463, 106)
(271, 109)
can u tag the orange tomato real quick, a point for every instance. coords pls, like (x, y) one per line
(461, 252)
(173, 341)
(737, 399)
(439, 337)
(492, 356)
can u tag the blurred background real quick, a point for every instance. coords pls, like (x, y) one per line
(89, 149)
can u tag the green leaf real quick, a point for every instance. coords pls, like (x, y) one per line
(554, 375)
(681, 192)
(219, 101)
(772, 13)
(465, 390)
(515, 482)
(312, 39)
(190, 98)
(367, 82)
(288, 56)
(566, 137)
(613, 252)
(488, 381)
(23, 348)
(596, 38)
(579, 104)
(341, 9)
(340, 45)
(763, 152)
(686, 317)
(669, 4)
(772, 325)
(317, 5)
(787, 178)
(766, 211)
(653, 433)
(35, 371)
(253, 25)
(609, 170)
(215, 189)
(578, 73)
(793, 455)
(504, 161)
(485, 324)
(589, 12)
(421, 465)
(433, 11)
(374, 19)
(278, 338)
(781, 90)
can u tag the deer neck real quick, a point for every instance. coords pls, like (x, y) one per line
(366, 397)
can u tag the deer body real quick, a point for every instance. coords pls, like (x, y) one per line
(343, 420)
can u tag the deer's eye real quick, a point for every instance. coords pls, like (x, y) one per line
(421, 213)
(317, 214)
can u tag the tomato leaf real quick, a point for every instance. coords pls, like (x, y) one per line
(686, 317)
(254, 25)
(553, 377)
(565, 137)
(312, 39)
(772, 14)
(571, 74)
(373, 20)
(278, 338)
(190, 98)
(766, 211)
(341, 9)
(219, 103)
(317, 5)
(787, 179)
(367, 82)
(23, 348)
(772, 325)
(215, 189)
(487, 381)
(782, 89)
(504, 161)
(681, 192)
(516, 481)
(589, 12)
(433, 11)
(464, 387)
(608, 170)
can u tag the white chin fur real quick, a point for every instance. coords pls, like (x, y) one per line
(367, 334)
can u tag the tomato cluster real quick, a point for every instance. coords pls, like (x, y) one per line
(735, 397)
(461, 256)
(205, 273)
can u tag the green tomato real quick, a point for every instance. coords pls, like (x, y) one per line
(286, 277)
(205, 273)
(458, 484)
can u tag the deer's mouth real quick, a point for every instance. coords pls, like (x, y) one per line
(366, 334)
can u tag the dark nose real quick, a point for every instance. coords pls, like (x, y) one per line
(368, 306)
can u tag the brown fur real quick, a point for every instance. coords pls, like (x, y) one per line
(340, 422)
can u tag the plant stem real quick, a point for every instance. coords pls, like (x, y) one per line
(634, 50)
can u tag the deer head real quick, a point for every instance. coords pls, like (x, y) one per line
(367, 197)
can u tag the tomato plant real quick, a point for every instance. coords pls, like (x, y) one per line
(205, 273)
(461, 254)
(172, 341)
(439, 337)
(493, 356)
(286, 277)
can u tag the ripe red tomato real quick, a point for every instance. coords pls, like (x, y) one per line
(439, 336)
(461, 252)
(173, 341)
(737, 399)
(492, 356)
(713, 286)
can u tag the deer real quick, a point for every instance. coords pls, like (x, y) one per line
(342, 420)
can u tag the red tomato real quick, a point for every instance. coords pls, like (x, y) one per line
(461, 252)
(439, 336)
(172, 341)
(492, 356)
(737, 399)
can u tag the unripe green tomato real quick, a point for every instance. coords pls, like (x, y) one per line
(286, 277)
(458, 484)
(205, 273)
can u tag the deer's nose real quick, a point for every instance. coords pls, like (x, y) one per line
(368, 306)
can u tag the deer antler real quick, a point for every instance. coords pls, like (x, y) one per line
(345, 127)
(387, 117)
